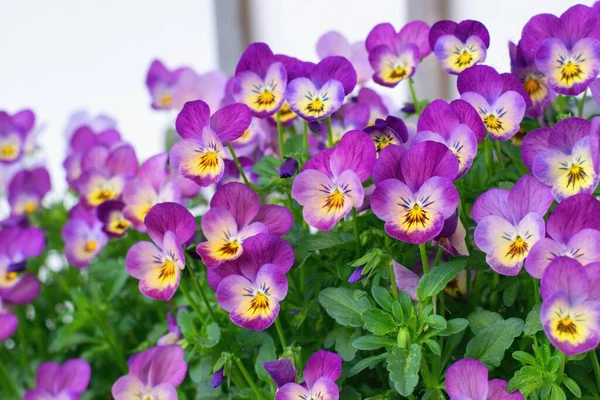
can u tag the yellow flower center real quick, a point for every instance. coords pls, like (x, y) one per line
(416, 215)
(30, 207)
(399, 72)
(567, 326)
(316, 106)
(260, 303)
(532, 86)
(493, 123)
(229, 249)
(335, 201)
(167, 271)
(518, 248)
(208, 160)
(576, 175)
(464, 59)
(570, 71)
(11, 276)
(90, 246)
(8, 151)
(166, 100)
(265, 98)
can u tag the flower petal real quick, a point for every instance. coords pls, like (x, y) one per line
(467, 378)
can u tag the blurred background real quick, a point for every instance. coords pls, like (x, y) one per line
(60, 56)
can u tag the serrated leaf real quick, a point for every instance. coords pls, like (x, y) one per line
(490, 343)
(372, 342)
(382, 297)
(572, 386)
(436, 280)
(369, 362)
(532, 323)
(403, 366)
(527, 379)
(344, 305)
(379, 322)
(480, 319)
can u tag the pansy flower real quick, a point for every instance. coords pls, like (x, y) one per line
(111, 215)
(573, 230)
(151, 186)
(158, 265)
(334, 43)
(199, 155)
(391, 130)
(260, 81)
(82, 118)
(250, 287)
(509, 223)
(209, 87)
(565, 49)
(322, 369)
(13, 133)
(570, 311)
(468, 379)
(379, 105)
(83, 236)
(456, 125)
(459, 46)
(414, 193)
(351, 116)
(235, 215)
(564, 157)
(27, 189)
(60, 381)
(153, 374)
(321, 93)
(330, 184)
(395, 56)
(499, 99)
(534, 81)
(161, 82)
(255, 139)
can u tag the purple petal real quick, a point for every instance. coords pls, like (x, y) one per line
(481, 79)
(512, 82)
(568, 132)
(192, 119)
(8, 324)
(388, 165)
(467, 378)
(406, 280)
(468, 116)
(497, 391)
(529, 195)
(438, 117)
(416, 32)
(168, 366)
(492, 202)
(264, 95)
(425, 160)
(456, 55)
(257, 57)
(337, 68)
(536, 31)
(333, 43)
(533, 144)
(576, 23)
(439, 29)
(311, 102)
(217, 378)
(567, 276)
(47, 375)
(277, 219)
(201, 162)
(356, 275)
(74, 376)
(230, 122)
(578, 212)
(122, 161)
(282, 371)
(468, 28)
(322, 363)
(354, 152)
(23, 292)
(292, 391)
(239, 199)
(540, 256)
(154, 170)
(172, 217)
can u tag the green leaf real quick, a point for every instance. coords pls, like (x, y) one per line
(267, 352)
(455, 325)
(320, 241)
(437, 322)
(524, 358)
(527, 379)
(490, 343)
(572, 386)
(532, 323)
(186, 324)
(510, 294)
(343, 338)
(371, 342)
(369, 362)
(344, 305)
(379, 322)
(433, 394)
(436, 280)
(382, 297)
(210, 337)
(554, 364)
(480, 319)
(434, 346)
(557, 393)
(403, 366)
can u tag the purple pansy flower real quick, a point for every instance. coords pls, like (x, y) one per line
(322, 369)
(55, 381)
(351, 116)
(570, 310)
(111, 215)
(395, 56)
(81, 118)
(565, 157)
(260, 80)
(158, 265)
(151, 186)
(499, 99)
(255, 140)
(153, 374)
(321, 93)
(83, 236)
(456, 125)
(174, 335)
(459, 46)
(565, 49)
(208, 87)
(391, 130)
(27, 189)
(334, 43)
(235, 215)
(534, 81)
(13, 133)
(379, 105)
(509, 223)
(468, 379)
(330, 184)
(414, 193)
(199, 155)
(161, 83)
(251, 287)
(573, 231)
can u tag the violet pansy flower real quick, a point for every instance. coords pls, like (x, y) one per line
(260, 80)
(351, 116)
(161, 83)
(384, 132)
(13, 133)
(235, 214)
(566, 49)
(83, 236)
(251, 287)
(570, 311)
(158, 265)
(321, 93)
(330, 184)
(395, 56)
(468, 379)
(61, 381)
(334, 43)
(499, 99)
(199, 155)
(509, 223)
(459, 46)
(456, 125)
(565, 157)
(27, 189)
(414, 193)
(573, 230)
(111, 215)
(379, 106)
(153, 374)
(208, 87)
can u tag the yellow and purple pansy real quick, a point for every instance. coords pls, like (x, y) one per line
(27, 189)
(13, 134)
(83, 236)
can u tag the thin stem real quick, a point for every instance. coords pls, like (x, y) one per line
(536, 290)
(280, 333)
(305, 138)
(596, 366)
(239, 166)
(356, 232)
(413, 93)
(280, 135)
(329, 132)
(191, 302)
(248, 379)
(393, 281)
(499, 154)
(438, 256)
(563, 361)
(198, 288)
(423, 251)
(489, 167)
(581, 104)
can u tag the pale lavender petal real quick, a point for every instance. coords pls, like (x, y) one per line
(406, 280)
(533, 144)
(492, 202)
(567, 276)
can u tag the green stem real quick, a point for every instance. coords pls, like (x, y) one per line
(499, 154)
(581, 104)
(305, 139)
(199, 288)
(596, 366)
(280, 333)
(489, 167)
(356, 232)
(329, 132)
(239, 166)
(563, 361)
(438, 256)
(536, 290)
(280, 135)
(423, 251)
(191, 302)
(393, 280)
(248, 379)
(413, 93)
(7, 381)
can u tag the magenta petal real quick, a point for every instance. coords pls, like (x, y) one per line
(123, 161)
(192, 119)
(154, 170)
(262, 249)
(416, 32)
(539, 28)
(24, 291)
(282, 371)
(467, 379)
(573, 214)
(172, 217)
(277, 219)
(241, 201)
(168, 366)
(382, 34)
(75, 375)
(230, 122)
(540, 256)
(257, 57)
(406, 280)
(468, 116)
(337, 68)
(567, 276)
(47, 375)
(140, 258)
(388, 165)
(322, 363)
(481, 79)
(425, 160)
(533, 144)
(356, 152)
(492, 202)
(529, 195)
(438, 117)
(8, 324)
(497, 391)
